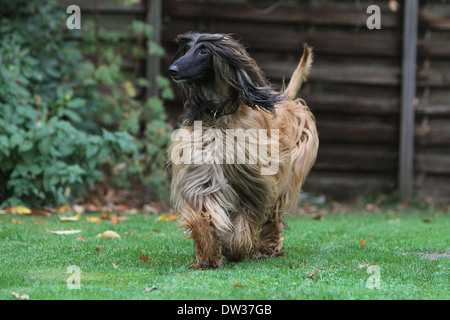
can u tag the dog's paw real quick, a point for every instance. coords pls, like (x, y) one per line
(266, 254)
(205, 266)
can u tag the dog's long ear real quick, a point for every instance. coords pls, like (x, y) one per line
(262, 98)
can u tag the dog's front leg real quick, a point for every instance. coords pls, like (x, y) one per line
(208, 249)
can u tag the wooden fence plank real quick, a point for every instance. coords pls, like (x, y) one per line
(343, 185)
(295, 14)
(406, 161)
(153, 65)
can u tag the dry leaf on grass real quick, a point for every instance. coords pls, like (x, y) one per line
(22, 296)
(363, 243)
(122, 207)
(78, 208)
(116, 266)
(64, 232)
(147, 289)
(80, 239)
(65, 209)
(19, 210)
(108, 235)
(94, 219)
(168, 217)
(237, 285)
(70, 218)
(312, 275)
(40, 212)
(143, 257)
(38, 221)
(14, 221)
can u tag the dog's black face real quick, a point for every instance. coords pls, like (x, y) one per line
(217, 75)
(194, 66)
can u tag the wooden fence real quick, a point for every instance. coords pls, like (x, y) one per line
(355, 88)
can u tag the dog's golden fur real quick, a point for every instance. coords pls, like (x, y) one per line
(232, 209)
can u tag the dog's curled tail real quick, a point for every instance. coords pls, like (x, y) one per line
(300, 74)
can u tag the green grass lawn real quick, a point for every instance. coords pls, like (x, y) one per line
(35, 262)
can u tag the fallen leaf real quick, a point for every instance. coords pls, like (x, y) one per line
(70, 218)
(237, 285)
(129, 233)
(144, 257)
(64, 232)
(80, 239)
(370, 207)
(78, 208)
(20, 210)
(318, 217)
(363, 243)
(312, 275)
(113, 220)
(38, 221)
(122, 207)
(426, 220)
(94, 219)
(116, 266)
(18, 221)
(65, 209)
(168, 217)
(98, 250)
(3, 211)
(151, 209)
(108, 235)
(40, 212)
(22, 296)
(147, 289)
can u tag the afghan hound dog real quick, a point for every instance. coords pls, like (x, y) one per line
(242, 152)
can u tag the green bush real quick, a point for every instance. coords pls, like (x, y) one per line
(65, 122)
(117, 106)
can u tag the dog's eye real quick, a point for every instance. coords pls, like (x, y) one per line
(203, 51)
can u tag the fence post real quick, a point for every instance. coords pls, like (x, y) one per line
(153, 63)
(406, 154)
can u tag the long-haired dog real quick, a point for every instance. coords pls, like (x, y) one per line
(231, 206)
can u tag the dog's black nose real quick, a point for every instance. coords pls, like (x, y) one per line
(173, 70)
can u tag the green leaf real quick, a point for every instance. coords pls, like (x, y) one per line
(25, 146)
(16, 140)
(76, 103)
